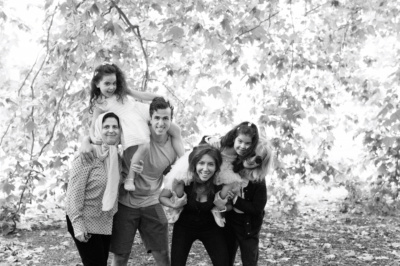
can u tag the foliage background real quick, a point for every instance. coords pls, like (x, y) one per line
(320, 78)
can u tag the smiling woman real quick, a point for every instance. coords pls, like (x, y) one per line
(92, 194)
(205, 168)
(111, 131)
(196, 221)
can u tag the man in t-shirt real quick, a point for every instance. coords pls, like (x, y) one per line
(140, 209)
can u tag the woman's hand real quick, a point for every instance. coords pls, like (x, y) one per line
(230, 195)
(215, 142)
(137, 168)
(82, 236)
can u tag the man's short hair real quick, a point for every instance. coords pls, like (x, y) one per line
(160, 103)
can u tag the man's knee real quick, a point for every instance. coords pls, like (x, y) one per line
(120, 259)
(161, 257)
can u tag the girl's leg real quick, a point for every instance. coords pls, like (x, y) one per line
(138, 153)
(128, 154)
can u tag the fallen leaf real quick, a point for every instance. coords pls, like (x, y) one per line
(330, 256)
(366, 257)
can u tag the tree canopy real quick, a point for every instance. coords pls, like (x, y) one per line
(319, 78)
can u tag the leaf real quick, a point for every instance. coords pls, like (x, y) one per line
(7, 187)
(244, 68)
(395, 116)
(350, 253)
(228, 85)
(60, 143)
(95, 9)
(39, 250)
(226, 96)
(388, 141)
(251, 81)
(157, 7)
(48, 4)
(326, 178)
(3, 15)
(366, 257)
(312, 120)
(39, 165)
(176, 32)
(225, 23)
(109, 26)
(5, 229)
(330, 257)
(200, 6)
(215, 91)
(30, 126)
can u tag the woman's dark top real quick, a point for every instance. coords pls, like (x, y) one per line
(197, 214)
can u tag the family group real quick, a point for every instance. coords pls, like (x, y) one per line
(215, 193)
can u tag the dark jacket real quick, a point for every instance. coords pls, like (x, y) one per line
(252, 204)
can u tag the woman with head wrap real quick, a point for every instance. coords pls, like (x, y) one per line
(92, 193)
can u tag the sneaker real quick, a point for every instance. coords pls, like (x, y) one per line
(218, 217)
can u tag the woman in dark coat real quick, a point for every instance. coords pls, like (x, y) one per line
(244, 221)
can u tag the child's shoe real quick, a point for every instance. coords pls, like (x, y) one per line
(218, 217)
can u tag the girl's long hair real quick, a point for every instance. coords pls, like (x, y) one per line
(259, 173)
(194, 158)
(101, 71)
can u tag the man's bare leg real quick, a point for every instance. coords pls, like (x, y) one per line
(120, 259)
(161, 257)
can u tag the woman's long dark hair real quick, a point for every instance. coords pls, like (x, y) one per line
(194, 158)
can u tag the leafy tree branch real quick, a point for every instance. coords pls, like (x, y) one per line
(8, 127)
(135, 29)
(315, 8)
(173, 94)
(259, 24)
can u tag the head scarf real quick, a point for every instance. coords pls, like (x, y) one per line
(109, 155)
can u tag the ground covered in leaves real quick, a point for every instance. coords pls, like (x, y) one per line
(318, 235)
